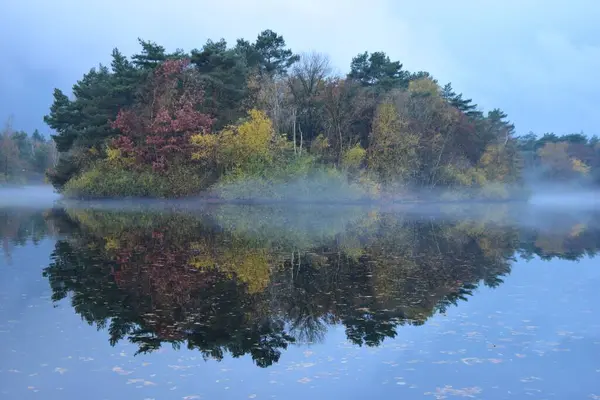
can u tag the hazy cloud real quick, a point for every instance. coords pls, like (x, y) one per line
(536, 59)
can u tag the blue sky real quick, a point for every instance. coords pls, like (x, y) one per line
(539, 60)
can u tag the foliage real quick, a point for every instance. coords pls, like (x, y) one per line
(159, 130)
(392, 150)
(572, 158)
(299, 179)
(237, 147)
(354, 157)
(109, 179)
(24, 158)
(258, 111)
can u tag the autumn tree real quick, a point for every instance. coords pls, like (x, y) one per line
(346, 106)
(158, 128)
(558, 164)
(307, 83)
(393, 148)
(242, 146)
(24, 157)
(9, 161)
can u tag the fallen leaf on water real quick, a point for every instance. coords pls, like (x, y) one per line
(440, 393)
(60, 370)
(121, 371)
(530, 379)
(471, 360)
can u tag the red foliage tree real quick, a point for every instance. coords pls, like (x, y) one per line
(159, 127)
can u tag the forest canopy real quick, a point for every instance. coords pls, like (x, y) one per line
(24, 157)
(241, 120)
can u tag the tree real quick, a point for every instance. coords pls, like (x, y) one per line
(393, 148)
(158, 128)
(307, 83)
(9, 160)
(377, 71)
(345, 105)
(466, 106)
(558, 164)
(36, 136)
(224, 74)
(243, 146)
(271, 55)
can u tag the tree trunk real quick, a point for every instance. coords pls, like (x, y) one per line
(341, 146)
(294, 129)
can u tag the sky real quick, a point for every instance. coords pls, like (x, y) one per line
(538, 60)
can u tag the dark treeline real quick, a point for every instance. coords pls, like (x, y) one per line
(224, 282)
(24, 157)
(173, 123)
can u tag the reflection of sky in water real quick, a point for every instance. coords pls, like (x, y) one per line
(536, 334)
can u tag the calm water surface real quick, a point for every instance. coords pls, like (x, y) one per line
(267, 302)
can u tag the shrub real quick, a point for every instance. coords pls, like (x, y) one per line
(105, 180)
(301, 178)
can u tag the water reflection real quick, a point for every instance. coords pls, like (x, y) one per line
(19, 225)
(253, 280)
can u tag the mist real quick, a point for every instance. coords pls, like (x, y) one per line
(301, 201)
(32, 196)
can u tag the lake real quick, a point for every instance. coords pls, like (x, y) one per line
(126, 300)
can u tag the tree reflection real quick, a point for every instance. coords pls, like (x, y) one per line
(252, 280)
(20, 225)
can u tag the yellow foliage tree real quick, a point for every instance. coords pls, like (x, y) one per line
(495, 163)
(115, 158)
(423, 86)
(237, 146)
(393, 149)
(579, 166)
(320, 146)
(353, 157)
(555, 157)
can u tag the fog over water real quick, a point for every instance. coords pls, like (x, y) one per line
(46, 196)
(28, 196)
